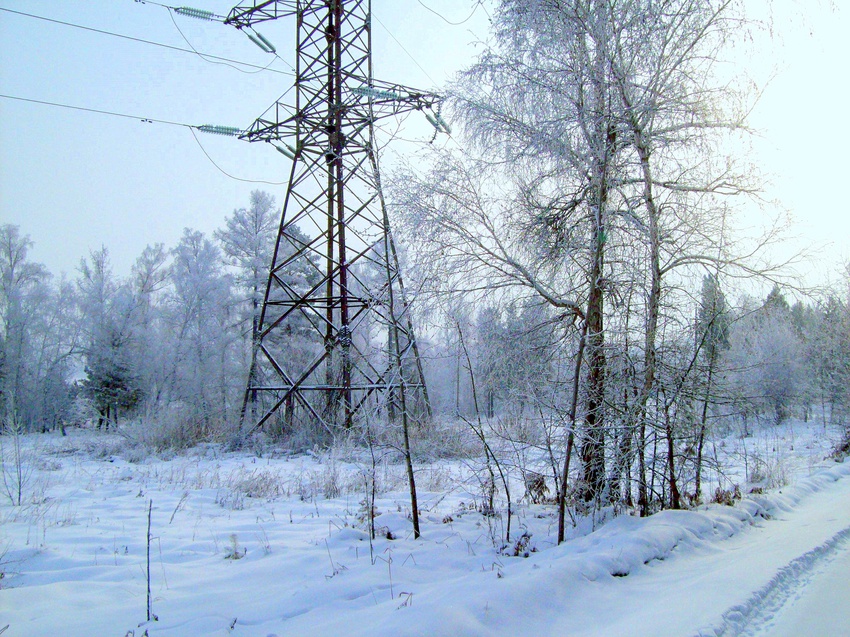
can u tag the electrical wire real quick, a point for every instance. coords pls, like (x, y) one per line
(194, 51)
(159, 44)
(147, 120)
(170, 8)
(446, 20)
(203, 56)
(224, 172)
(404, 49)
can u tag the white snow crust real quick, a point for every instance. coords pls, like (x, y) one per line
(74, 557)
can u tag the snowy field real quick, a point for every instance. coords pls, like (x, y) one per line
(272, 544)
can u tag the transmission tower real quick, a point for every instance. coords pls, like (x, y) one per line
(334, 280)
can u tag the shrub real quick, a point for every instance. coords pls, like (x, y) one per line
(842, 449)
(724, 496)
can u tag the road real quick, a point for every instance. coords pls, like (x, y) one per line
(821, 606)
(789, 575)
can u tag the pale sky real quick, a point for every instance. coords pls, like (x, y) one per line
(75, 181)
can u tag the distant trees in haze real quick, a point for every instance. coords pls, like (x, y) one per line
(171, 344)
(36, 342)
(170, 341)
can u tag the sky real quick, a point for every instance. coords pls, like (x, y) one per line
(77, 181)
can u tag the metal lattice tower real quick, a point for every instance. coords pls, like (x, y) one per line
(334, 280)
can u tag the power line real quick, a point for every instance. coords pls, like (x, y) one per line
(404, 49)
(146, 120)
(150, 120)
(202, 55)
(133, 39)
(158, 4)
(172, 11)
(446, 20)
(224, 172)
(196, 13)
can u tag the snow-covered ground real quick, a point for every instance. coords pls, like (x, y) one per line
(276, 545)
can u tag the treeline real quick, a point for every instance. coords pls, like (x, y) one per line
(173, 340)
(723, 369)
(768, 360)
(168, 345)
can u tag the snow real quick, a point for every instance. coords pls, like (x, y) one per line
(804, 611)
(277, 545)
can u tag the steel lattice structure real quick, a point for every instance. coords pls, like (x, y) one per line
(334, 281)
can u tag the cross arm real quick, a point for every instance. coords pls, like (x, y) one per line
(247, 14)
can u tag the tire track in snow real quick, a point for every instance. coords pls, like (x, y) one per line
(753, 617)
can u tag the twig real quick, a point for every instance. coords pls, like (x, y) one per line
(180, 504)
(390, 571)
(150, 508)
(334, 569)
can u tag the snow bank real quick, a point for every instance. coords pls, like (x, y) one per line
(247, 546)
(528, 595)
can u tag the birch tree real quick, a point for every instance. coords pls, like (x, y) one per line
(247, 241)
(603, 121)
(22, 293)
(200, 317)
(152, 346)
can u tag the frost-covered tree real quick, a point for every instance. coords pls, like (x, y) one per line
(514, 351)
(152, 347)
(24, 341)
(248, 243)
(56, 334)
(765, 360)
(201, 320)
(599, 129)
(712, 338)
(825, 332)
(107, 325)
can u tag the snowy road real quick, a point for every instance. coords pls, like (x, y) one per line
(795, 568)
(788, 576)
(822, 607)
(817, 578)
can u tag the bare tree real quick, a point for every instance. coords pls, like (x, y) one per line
(600, 133)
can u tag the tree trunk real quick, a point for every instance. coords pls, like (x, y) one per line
(702, 430)
(604, 139)
(593, 445)
(675, 496)
(562, 491)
